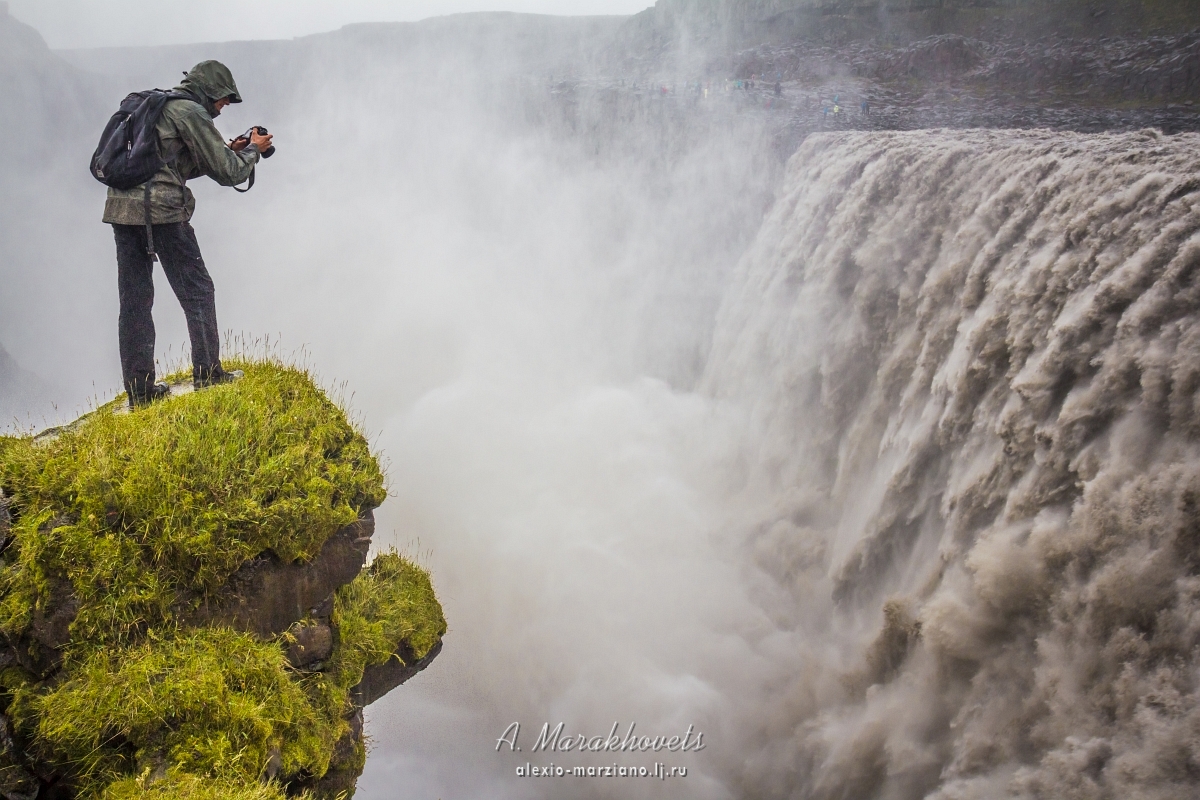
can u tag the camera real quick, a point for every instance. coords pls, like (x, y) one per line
(261, 131)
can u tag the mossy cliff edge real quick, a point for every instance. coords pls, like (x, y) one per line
(184, 609)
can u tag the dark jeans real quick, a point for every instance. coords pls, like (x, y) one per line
(180, 257)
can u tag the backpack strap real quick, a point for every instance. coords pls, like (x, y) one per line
(150, 250)
(149, 224)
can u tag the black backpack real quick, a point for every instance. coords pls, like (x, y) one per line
(128, 153)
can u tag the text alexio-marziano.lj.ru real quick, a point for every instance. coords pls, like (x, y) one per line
(556, 741)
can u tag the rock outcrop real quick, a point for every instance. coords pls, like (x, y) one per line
(267, 595)
(379, 679)
(120, 573)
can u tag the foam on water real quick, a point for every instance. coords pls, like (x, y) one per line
(972, 362)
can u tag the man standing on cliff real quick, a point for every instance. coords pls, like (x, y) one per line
(190, 146)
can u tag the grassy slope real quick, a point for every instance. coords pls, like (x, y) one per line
(139, 510)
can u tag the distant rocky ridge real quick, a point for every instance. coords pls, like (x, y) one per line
(805, 66)
(741, 23)
(1086, 85)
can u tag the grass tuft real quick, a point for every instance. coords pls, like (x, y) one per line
(389, 603)
(178, 786)
(212, 702)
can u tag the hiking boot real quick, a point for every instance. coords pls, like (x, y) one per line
(214, 378)
(157, 391)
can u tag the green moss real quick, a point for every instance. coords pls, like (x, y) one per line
(140, 515)
(139, 509)
(190, 787)
(213, 703)
(389, 604)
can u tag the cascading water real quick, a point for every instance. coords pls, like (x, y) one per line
(972, 362)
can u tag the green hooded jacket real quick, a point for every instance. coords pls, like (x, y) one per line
(191, 146)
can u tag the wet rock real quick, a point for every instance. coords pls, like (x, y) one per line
(39, 650)
(345, 766)
(311, 644)
(935, 58)
(50, 629)
(323, 611)
(16, 782)
(346, 748)
(336, 783)
(153, 765)
(266, 595)
(379, 679)
(5, 522)
(274, 763)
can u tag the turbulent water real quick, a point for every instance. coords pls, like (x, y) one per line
(972, 362)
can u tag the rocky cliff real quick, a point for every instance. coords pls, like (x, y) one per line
(803, 66)
(753, 21)
(184, 607)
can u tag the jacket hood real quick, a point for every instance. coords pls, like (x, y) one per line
(210, 81)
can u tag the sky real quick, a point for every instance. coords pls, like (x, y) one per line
(105, 23)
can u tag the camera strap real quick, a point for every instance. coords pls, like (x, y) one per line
(249, 185)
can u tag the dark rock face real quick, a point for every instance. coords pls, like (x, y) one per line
(16, 783)
(345, 766)
(40, 650)
(379, 679)
(50, 630)
(936, 58)
(265, 596)
(347, 763)
(1088, 85)
(5, 522)
(313, 644)
(741, 21)
(344, 750)
(334, 783)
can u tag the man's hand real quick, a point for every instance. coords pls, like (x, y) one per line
(262, 142)
(259, 141)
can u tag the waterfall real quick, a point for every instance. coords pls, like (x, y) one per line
(971, 362)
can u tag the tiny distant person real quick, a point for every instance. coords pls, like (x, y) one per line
(866, 108)
(778, 89)
(153, 219)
